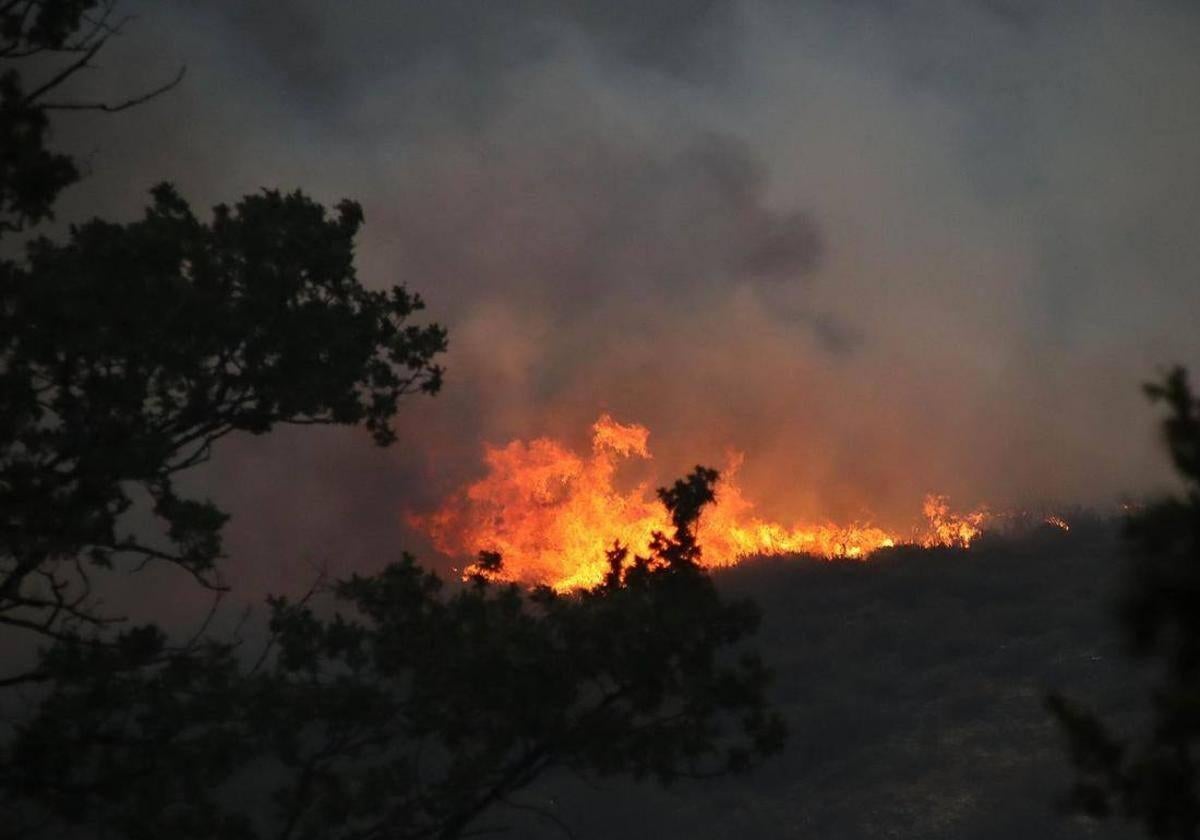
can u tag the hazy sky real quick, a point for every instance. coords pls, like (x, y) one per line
(880, 247)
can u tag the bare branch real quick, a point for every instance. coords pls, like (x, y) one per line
(70, 609)
(27, 678)
(39, 628)
(206, 622)
(150, 554)
(101, 24)
(113, 108)
(66, 73)
(318, 585)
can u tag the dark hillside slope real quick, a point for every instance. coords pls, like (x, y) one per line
(913, 686)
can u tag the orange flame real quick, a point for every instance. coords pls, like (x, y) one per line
(947, 528)
(552, 514)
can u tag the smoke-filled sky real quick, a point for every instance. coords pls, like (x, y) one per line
(882, 248)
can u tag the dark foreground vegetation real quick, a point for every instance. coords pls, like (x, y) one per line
(914, 690)
(405, 709)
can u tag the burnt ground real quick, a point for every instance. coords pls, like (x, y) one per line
(913, 685)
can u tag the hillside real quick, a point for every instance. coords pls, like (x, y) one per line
(913, 686)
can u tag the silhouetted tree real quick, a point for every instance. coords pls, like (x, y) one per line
(413, 710)
(1153, 778)
(127, 351)
(60, 38)
(404, 708)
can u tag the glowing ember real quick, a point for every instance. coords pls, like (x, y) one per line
(551, 514)
(1058, 522)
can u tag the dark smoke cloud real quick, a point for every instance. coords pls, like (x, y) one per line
(689, 39)
(883, 248)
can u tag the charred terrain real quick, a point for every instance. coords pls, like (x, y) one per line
(914, 688)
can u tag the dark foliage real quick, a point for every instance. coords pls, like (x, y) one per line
(32, 175)
(412, 710)
(432, 709)
(128, 350)
(59, 38)
(126, 353)
(1153, 778)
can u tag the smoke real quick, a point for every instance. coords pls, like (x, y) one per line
(882, 249)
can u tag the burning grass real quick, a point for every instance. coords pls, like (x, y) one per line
(551, 513)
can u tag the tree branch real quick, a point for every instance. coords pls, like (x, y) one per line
(66, 73)
(27, 678)
(113, 108)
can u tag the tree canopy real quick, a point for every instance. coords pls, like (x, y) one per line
(387, 705)
(129, 350)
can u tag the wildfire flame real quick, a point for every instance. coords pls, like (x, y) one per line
(551, 514)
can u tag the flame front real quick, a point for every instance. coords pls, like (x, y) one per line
(552, 514)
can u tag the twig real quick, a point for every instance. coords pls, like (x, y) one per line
(109, 108)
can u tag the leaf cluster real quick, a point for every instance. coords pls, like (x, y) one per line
(128, 350)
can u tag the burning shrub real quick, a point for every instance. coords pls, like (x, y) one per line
(551, 513)
(463, 698)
